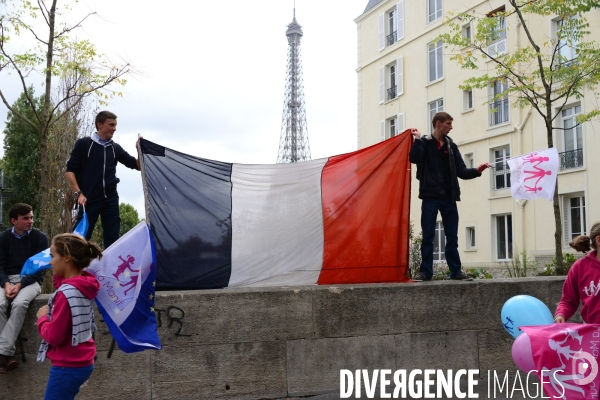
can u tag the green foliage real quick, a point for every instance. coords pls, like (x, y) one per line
(414, 255)
(568, 260)
(479, 273)
(440, 271)
(542, 72)
(39, 39)
(21, 160)
(535, 69)
(129, 219)
(520, 265)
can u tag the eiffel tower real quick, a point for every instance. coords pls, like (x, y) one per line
(293, 142)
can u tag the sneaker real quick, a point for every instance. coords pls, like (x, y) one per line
(3, 369)
(461, 277)
(420, 277)
(11, 362)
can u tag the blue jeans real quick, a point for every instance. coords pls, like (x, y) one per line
(429, 211)
(108, 210)
(64, 382)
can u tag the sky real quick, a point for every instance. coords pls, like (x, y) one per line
(211, 76)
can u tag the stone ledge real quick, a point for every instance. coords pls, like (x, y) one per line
(291, 341)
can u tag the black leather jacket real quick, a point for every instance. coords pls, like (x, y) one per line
(429, 171)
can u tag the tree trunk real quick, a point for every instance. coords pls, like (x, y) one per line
(559, 268)
(45, 123)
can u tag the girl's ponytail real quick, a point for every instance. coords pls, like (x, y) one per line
(586, 243)
(80, 250)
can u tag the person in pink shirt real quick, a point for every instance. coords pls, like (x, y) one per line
(583, 281)
(66, 333)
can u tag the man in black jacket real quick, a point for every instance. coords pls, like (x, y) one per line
(92, 175)
(16, 246)
(439, 164)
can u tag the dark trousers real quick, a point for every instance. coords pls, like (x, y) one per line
(108, 210)
(429, 211)
(64, 382)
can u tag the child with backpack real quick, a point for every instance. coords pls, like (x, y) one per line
(67, 322)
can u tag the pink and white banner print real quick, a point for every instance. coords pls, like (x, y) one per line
(566, 359)
(533, 175)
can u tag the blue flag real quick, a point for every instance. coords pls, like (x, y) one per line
(41, 260)
(127, 277)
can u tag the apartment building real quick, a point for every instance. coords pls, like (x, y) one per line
(405, 77)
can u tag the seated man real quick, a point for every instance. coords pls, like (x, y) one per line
(16, 246)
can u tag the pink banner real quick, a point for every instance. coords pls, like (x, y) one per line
(566, 359)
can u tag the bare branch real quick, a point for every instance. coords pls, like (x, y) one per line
(15, 112)
(77, 25)
(44, 10)
(23, 83)
(532, 42)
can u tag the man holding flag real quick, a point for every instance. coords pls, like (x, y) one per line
(439, 165)
(16, 246)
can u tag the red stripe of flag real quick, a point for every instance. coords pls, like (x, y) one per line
(366, 214)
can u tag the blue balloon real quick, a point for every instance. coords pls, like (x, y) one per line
(524, 310)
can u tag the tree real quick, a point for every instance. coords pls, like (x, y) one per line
(21, 161)
(54, 54)
(129, 219)
(544, 73)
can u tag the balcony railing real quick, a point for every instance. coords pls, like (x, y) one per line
(499, 112)
(571, 159)
(501, 177)
(391, 93)
(391, 38)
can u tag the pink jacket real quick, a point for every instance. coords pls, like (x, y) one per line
(58, 331)
(582, 284)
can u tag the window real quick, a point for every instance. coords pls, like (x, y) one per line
(391, 38)
(504, 246)
(466, 31)
(501, 169)
(392, 126)
(497, 37)
(469, 160)
(439, 243)
(498, 107)
(434, 10)
(470, 237)
(392, 78)
(435, 61)
(572, 156)
(567, 47)
(390, 81)
(467, 100)
(391, 26)
(434, 107)
(574, 217)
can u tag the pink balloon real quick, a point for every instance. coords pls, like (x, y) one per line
(522, 354)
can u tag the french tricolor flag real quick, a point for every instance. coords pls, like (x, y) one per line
(342, 219)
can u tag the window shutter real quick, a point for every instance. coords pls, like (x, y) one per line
(381, 85)
(382, 130)
(399, 77)
(400, 20)
(566, 226)
(400, 123)
(381, 32)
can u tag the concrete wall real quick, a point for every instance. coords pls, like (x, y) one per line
(292, 342)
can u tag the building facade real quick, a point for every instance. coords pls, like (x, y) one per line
(405, 77)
